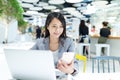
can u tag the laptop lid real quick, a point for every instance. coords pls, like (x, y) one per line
(30, 64)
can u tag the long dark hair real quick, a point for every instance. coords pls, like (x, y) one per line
(82, 23)
(61, 18)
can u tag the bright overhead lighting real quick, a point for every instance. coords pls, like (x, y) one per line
(56, 1)
(32, 12)
(30, 1)
(49, 7)
(69, 9)
(99, 3)
(56, 10)
(36, 8)
(73, 1)
(42, 4)
(26, 5)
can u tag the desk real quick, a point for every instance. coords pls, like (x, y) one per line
(98, 76)
(4, 71)
(6, 75)
(110, 37)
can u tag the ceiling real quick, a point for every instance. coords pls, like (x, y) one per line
(79, 9)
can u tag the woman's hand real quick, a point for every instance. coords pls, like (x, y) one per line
(66, 68)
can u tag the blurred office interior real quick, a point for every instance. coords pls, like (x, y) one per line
(35, 12)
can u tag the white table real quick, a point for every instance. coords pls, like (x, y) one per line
(6, 75)
(4, 71)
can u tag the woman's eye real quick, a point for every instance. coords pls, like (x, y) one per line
(61, 26)
(58, 26)
(54, 26)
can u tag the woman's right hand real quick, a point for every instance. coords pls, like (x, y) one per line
(64, 67)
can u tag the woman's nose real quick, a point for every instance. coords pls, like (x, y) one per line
(57, 28)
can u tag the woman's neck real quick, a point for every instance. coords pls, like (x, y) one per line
(54, 40)
(54, 44)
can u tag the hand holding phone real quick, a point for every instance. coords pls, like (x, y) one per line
(68, 57)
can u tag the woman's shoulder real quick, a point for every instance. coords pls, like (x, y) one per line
(68, 39)
(40, 40)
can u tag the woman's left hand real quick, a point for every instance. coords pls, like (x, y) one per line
(65, 67)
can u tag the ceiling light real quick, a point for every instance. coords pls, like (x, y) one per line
(36, 8)
(42, 4)
(56, 10)
(69, 9)
(30, 1)
(26, 5)
(31, 12)
(99, 3)
(49, 7)
(73, 1)
(56, 1)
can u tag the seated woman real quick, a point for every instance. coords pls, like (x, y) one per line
(56, 41)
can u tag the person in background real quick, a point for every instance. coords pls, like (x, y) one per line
(30, 30)
(56, 41)
(104, 33)
(83, 36)
(38, 32)
(88, 24)
(93, 30)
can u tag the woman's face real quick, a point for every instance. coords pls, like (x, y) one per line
(55, 28)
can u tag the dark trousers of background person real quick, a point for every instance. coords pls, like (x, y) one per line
(102, 40)
(37, 36)
(85, 51)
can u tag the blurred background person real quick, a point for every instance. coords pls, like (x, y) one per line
(38, 32)
(93, 30)
(84, 36)
(104, 33)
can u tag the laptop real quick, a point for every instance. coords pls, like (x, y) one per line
(30, 64)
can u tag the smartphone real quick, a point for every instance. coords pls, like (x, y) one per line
(68, 57)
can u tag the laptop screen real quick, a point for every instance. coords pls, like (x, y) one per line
(30, 64)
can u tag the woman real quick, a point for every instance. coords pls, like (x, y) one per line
(38, 32)
(104, 34)
(56, 41)
(83, 35)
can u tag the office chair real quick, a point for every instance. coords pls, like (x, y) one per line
(82, 58)
(105, 64)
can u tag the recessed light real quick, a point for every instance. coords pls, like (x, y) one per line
(73, 1)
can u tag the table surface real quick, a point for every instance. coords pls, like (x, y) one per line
(6, 75)
(110, 37)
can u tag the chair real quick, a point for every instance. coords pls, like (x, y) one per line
(82, 58)
(99, 47)
(105, 64)
(80, 48)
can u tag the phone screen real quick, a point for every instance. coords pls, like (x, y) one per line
(68, 57)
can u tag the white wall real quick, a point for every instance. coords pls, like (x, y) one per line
(2, 32)
(12, 31)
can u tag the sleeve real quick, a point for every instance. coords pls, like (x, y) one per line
(71, 47)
